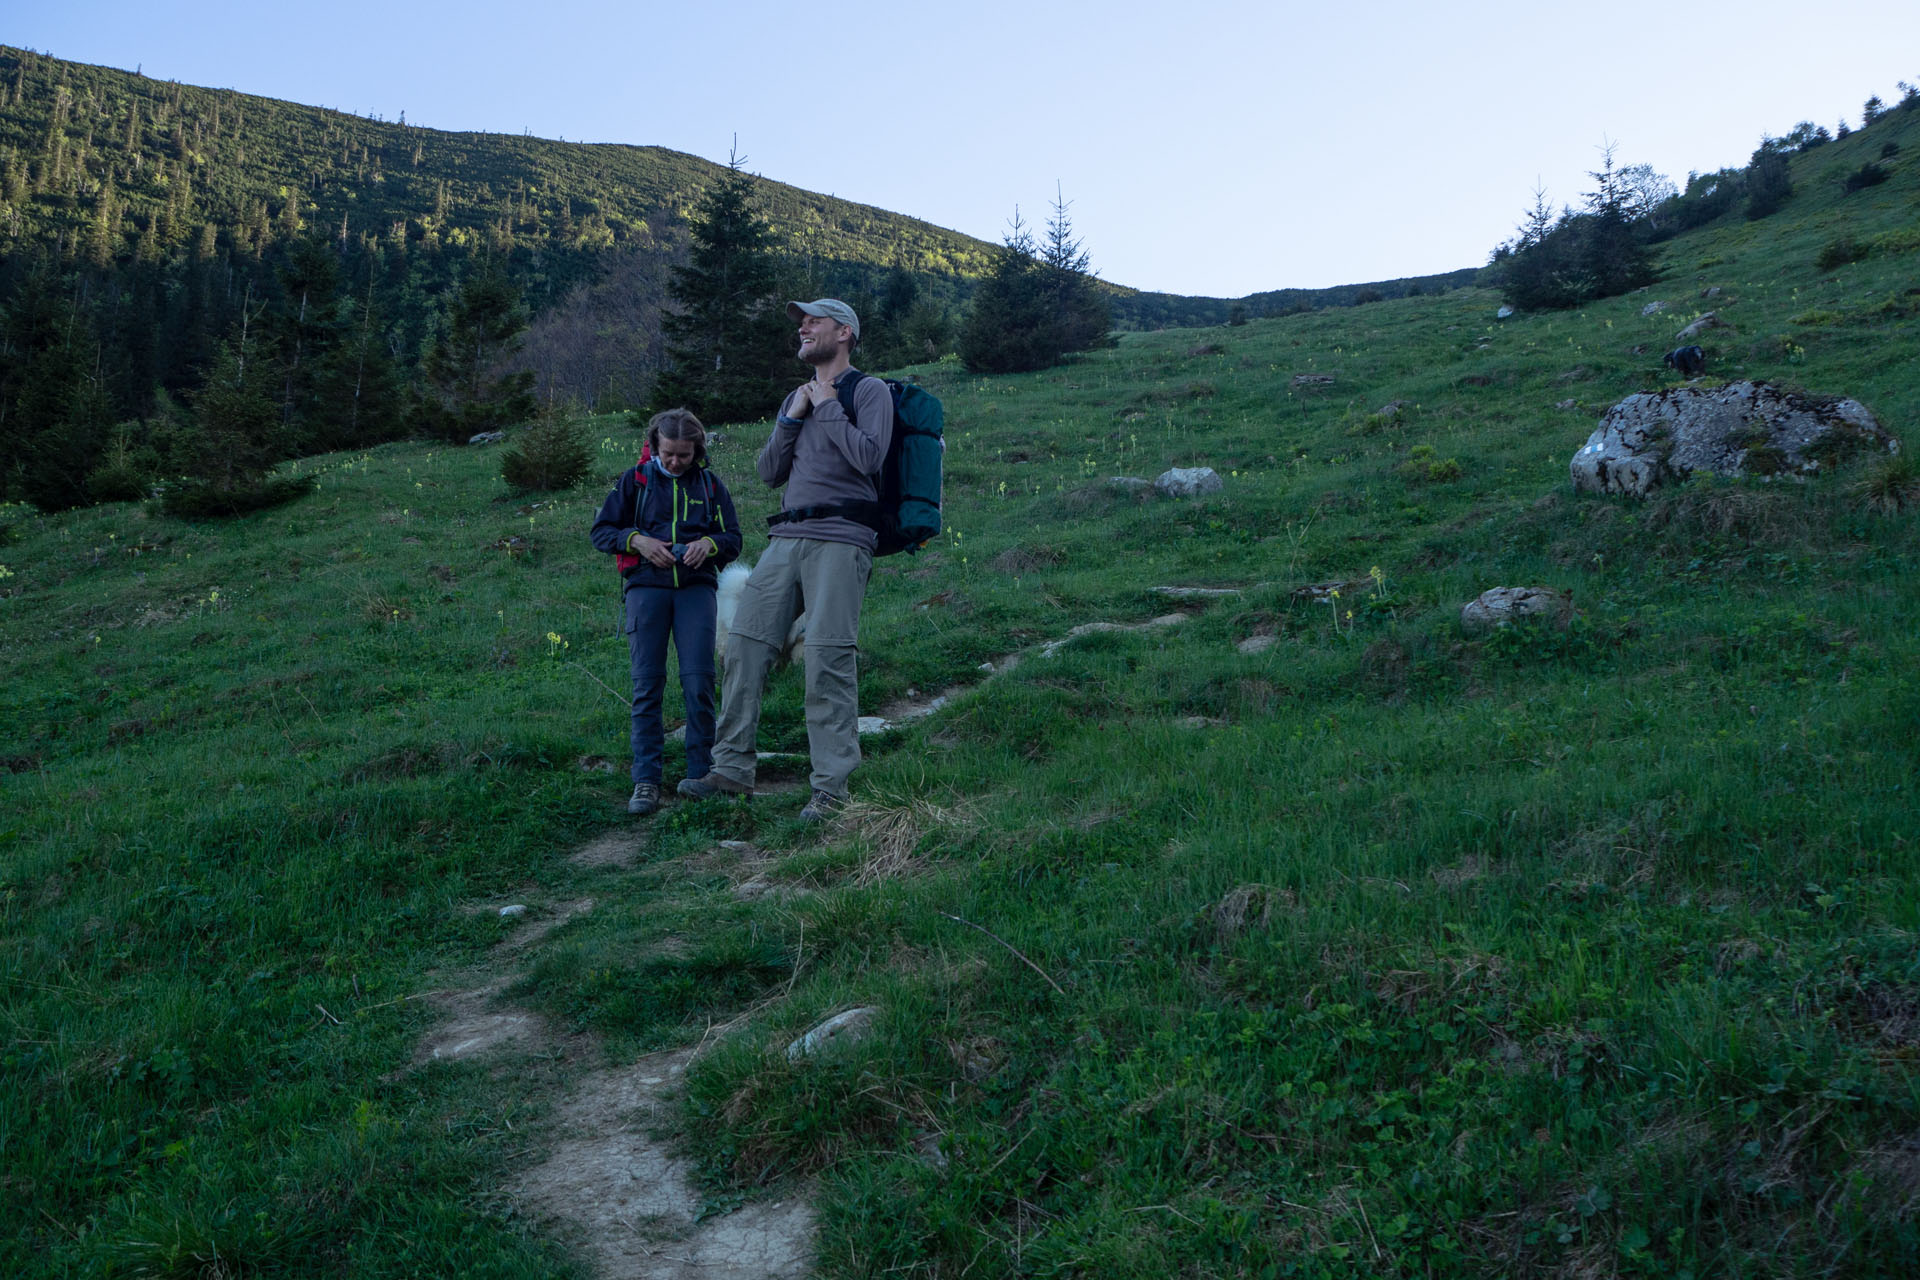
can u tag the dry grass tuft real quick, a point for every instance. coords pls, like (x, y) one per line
(1767, 516)
(1250, 906)
(893, 834)
(1889, 487)
(1022, 560)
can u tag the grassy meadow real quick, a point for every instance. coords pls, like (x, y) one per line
(1384, 950)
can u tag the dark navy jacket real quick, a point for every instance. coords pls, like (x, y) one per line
(674, 510)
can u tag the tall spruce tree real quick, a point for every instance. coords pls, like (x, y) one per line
(1769, 180)
(730, 346)
(1080, 310)
(51, 404)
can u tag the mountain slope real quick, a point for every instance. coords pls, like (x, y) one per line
(1307, 934)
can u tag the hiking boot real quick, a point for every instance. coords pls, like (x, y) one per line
(823, 806)
(710, 784)
(645, 798)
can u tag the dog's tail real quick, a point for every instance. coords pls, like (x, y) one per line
(733, 580)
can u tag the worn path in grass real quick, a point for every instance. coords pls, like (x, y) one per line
(616, 1193)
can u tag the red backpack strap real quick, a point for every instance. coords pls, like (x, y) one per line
(624, 560)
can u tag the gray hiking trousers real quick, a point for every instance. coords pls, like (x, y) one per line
(827, 581)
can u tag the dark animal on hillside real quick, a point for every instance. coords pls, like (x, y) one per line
(1690, 361)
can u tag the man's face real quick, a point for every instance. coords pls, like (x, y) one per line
(821, 338)
(676, 456)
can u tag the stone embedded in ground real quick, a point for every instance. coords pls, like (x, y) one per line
(1653, 308)
(517, 909)
(1188, 482)
(1196, 593)
(1257, 644)
(487, 437)
(1711, 320)
(1566, 404)
(1312, 380)
(1323, 592)
(915, 706)
(1503, 606)
(838, 1032)
(1130, 486)
(1052, 647)
(1742, 428)
(474, 1026)
(1503, 313)
(1711, 291)
(534, 930)
(867, 726)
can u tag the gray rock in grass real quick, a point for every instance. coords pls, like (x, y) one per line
(1188, 482)
(1711, 320)
(1503, 606)
(848, 1027)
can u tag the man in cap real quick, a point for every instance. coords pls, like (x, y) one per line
(817, 562)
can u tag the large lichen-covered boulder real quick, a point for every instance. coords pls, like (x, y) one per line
(1740, 429)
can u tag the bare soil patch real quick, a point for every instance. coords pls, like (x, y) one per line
(627, 1202)
(475, 1026)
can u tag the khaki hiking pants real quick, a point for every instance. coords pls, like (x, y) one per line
(826, 581)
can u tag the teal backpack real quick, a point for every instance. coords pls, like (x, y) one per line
(907, 516)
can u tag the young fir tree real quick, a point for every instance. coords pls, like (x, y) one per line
(1039, 304)
(464, 394)
(729, 343)
(235, 435)
(1566, 261)
(1010, 328)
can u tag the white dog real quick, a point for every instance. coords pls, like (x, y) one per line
(733, 580)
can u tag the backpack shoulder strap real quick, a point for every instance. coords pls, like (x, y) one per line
(844, 392)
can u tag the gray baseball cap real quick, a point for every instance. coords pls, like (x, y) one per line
(827, 308)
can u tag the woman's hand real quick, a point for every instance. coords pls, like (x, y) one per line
(695, 554)
(652, 550)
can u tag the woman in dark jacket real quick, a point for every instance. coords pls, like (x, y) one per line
(671, 526)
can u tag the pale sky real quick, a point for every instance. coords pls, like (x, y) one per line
(1207, 147)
